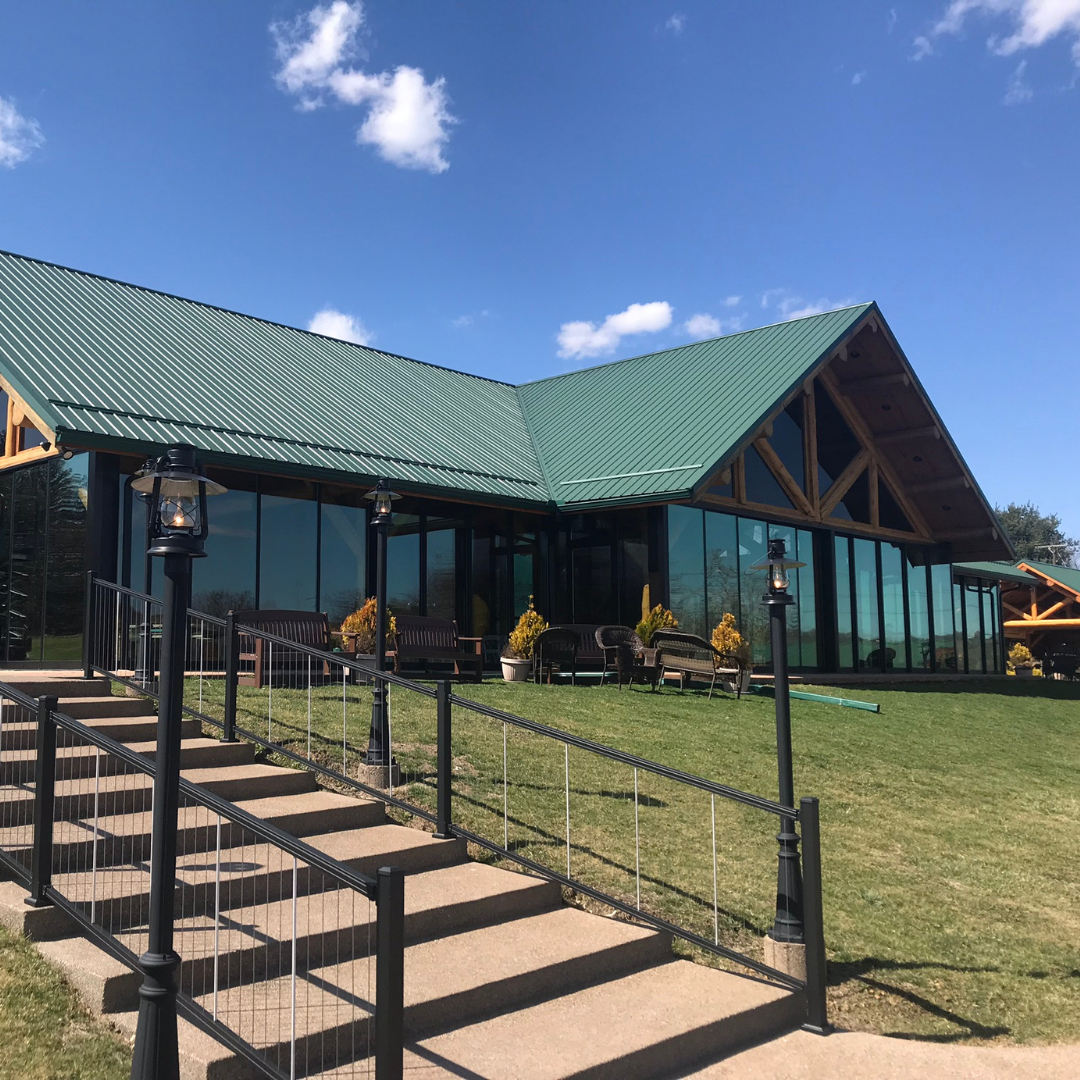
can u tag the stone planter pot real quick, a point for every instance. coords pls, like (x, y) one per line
(516, 670)
(743, 685)
(1024, 672)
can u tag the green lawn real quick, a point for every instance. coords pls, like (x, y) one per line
(45, 1033)
(949, 823)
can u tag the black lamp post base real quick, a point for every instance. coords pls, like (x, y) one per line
(157, 1049)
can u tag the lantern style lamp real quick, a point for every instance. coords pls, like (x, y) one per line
(788, 923)
(378, 752)
(176, 490)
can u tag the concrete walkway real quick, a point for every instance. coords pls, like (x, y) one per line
(853, 1055)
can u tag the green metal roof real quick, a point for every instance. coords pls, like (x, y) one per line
(109, 364)
(656, 425)
(997, 571)
(1064, 575)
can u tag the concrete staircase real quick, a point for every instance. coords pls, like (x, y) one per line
(501, 979)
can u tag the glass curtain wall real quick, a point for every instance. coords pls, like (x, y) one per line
(941, 590)
(289, 546)
(868, 651)
(343, 547)
(43, 546)
(893, 608)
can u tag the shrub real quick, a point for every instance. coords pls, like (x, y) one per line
(1020, 656)
(523, 637)
(727, 639)
(362, 623)
(658, 619)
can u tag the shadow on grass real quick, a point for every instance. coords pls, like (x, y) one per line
(858, 971)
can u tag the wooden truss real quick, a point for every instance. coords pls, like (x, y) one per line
(1045, 605)
(26, 439)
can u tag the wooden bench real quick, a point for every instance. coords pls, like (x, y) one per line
(421, 642)
(590, 656)
(690, 656)
(310, 628)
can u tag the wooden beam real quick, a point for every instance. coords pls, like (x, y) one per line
(1050, 610)
(945, 484)
(1043, 623)
(9, 430)
(1015, 610)
(844, 481)
(874, 382)
(738, 479)
(810, 450)
(875, 509)
(908, 435)
(783, 477)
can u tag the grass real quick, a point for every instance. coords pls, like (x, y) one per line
(45, 1032)
(948, 826)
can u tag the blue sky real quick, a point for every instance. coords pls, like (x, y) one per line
(483, 184)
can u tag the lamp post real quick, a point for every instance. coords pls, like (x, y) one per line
(178, 526)
(378, 755)
(788, 923)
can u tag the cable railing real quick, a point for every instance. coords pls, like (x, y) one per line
(675, 851)
(288, 957)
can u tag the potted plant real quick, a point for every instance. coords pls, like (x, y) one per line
(659, 618)
(358, 631)
(1021, 661)
(517, 657)
(727, 639)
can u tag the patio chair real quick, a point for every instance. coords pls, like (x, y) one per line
(691, 656)
(620, 644)
(556, 649)
(1063, 664)
(881, 659)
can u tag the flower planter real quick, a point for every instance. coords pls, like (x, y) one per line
(516, 670)
(741, 687)
(1024, 672)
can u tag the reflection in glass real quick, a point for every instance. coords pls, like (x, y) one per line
(837, 445)
(962, 663)
(489, 600)
(844, 609)
(686, 567)
(441, 542)
(225, 579)
(754, 623)
(989, 606)
(287, 543)
(973, 610)
(403, 565)
(941, 589)
(866, 603)
(634, 545)
(892, 598)
(794, 613)
(855, 505)
(761, 485)
(65, 589)
(807, 600)
(722, 568)
(787, 441)
(343, 560)
(919, 616)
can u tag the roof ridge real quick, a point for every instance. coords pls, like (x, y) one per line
(245, 315)
(692, 344)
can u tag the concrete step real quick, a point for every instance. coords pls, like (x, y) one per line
(447, 981)
(59, 686)
(241, 782)
(647, 1025)
(124, 729)
(85, 708)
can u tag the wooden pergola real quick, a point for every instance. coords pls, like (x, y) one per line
(1046, 613)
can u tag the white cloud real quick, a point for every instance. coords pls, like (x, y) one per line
(732, 301)
(890, 24)
(923, 47)
(408, 121)
(19, 137)
(582, 339)
(702, 325)
(858, 78)
(676, 24)
(1018, 91)
(337, 324)
(463, 322)
(1033, 22)
(790, 305)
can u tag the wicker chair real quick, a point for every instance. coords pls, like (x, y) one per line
(691, 656)
(619, 644)
(556, 649)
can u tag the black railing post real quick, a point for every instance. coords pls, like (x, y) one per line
(88, 627)
(390, 974)
(44, 796)
(817, 1017)
(232, 676)
(443, 828)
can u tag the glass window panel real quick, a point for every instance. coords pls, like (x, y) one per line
(225, 579)
(866, 604)
(787, 441)
(807, 600)
(686, 567)
(343, 559)
(761, 485)
(30, 437)
(837, 444)
(489, 600)
(754, 623)
(973, 606)
(844, 609)
(958, 616)
(287, 545)
(787, 534)
(721, 568)
(918, 615)
(855, 505)
(890, 516)
(942, 598)
(65, 582)
(724, 490)
(441, 570)
(403, 565)
(989, 604)
(892, 598)
(634, 541)
(26, 560)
